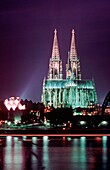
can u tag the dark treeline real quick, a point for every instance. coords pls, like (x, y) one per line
(59, 116)
(64, 115)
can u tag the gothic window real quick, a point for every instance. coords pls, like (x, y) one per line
(56, 72)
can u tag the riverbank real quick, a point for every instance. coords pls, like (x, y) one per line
(57, 132)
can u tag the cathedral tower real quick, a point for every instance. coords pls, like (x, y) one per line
(70, 92)
(73, 64)
(55, 64)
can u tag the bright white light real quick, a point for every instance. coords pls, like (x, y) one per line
(82, 122)
(13, 106)
(21, 107)
(8, 107)
(83, 137)
(9, 138)
(104, 137)
(15, 139)
(24, 137)
(16, 101)
(34, 139)
(45, 137)
(13, 103)
(15, 122)
(68, 138)
(9, 123)
(104, 122)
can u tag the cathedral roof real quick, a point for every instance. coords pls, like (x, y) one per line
(65, 83)
(55, 84)
(85, 84)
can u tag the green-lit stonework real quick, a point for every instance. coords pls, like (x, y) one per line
(72, 91)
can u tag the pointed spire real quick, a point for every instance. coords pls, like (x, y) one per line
(73, 52)
(55, 50)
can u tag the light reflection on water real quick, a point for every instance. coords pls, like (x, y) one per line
(83, 152)
(45, 151)
(51, 153)
(104, 154)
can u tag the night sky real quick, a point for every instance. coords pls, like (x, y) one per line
(26, 36)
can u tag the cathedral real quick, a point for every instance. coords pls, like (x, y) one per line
(72, 91)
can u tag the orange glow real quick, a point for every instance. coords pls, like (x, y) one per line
(98, 139)
(64, 138)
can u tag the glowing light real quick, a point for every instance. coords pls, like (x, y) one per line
(9, 138)
(104, 122)
(15, 122)
(9, 123)
(34, 139)
(24, 137)
(82, 122)
(13, 106)
(98, 139)
(83, 138)
(45, 137)
(15, 139)
(21, 107)
(68, 138)
(8, 107)
(14, 102)
(104, 138)
(64, 138)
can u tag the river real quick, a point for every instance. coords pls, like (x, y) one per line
(55, 153)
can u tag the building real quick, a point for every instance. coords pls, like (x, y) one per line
(15, 108)
(69, 92)
(106, 104)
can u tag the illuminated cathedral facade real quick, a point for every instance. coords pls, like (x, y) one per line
(72, 91)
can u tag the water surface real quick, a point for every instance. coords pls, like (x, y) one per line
(55, 153)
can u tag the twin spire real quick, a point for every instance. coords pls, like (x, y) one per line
(73, 64)
(55, 49)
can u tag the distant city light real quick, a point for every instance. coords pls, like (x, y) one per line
(82, 122)
(104, 123)
(14, 102)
